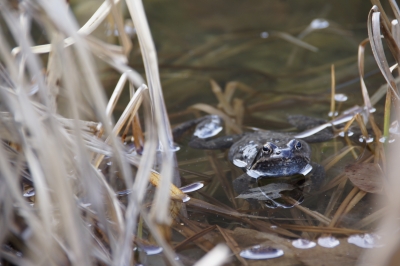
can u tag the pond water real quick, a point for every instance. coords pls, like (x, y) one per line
(251, 43)
(277, 56)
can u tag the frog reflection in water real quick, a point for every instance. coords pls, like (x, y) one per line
(262, 154)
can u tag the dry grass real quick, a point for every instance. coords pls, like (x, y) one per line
(75, 167)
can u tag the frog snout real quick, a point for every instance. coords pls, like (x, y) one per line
(283, 153)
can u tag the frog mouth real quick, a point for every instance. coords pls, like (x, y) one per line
(277, 167)
(256, 173)
(278, 160)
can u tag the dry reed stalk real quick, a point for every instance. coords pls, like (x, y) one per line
(322, 230)
(378, 21)
(343, 206)
(232, 244)
(335, 197)
(224, 181)
(333, 86)
(194, 237)
(373, 217)
(321, 218)
(70, 183)
(354, 201)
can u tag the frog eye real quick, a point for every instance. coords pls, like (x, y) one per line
(298, 145)
(267, 149)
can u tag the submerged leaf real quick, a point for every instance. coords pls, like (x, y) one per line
(365, 176)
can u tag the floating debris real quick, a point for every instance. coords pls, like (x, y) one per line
(332, 114)
(30, 192)
(365, 241)
(209, 127)
(328, 242)
(303, 243)
(129, 147)
(264, 35)
(192, 187)
(151, 250)
(368, 139)
(340, 97)
(348, 133)
(259, 252)
(175, 147)
(129, 28)
(185, 198)
(123, 192)
(319, 23)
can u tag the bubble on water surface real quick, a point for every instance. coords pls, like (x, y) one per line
(340, 97)
(394, 127)
(123, 192)
(209, 127)
(259, 252)
(368, 139)
(192, 187)
(185, 198)
(129, 30)
(175, 147)
(365, 241)
(348, 133)
(382, 139)
(332, 114)
(264, 35)
(319, 23)
(328, 242)
(30, 192)
(303, 243)
(151, 250)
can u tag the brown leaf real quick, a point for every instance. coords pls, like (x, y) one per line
(365, 176)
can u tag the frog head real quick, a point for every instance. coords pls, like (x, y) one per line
(275, 160)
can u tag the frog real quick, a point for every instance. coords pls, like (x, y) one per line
(264, 153)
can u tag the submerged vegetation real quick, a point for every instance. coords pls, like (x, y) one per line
(79, 188)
